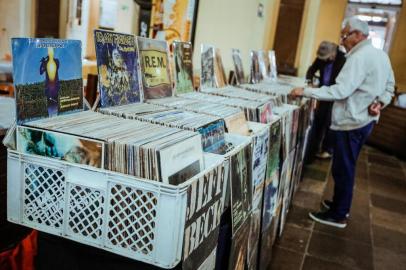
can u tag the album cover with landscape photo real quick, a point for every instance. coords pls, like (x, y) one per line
(47, 77)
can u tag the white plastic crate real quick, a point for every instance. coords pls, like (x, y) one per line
(140, 219)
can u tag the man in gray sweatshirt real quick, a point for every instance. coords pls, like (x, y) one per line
(363, 87)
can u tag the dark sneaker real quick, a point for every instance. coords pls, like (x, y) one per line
(326, 204)
(325, 218)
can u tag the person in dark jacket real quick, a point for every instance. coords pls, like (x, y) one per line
(330, 59)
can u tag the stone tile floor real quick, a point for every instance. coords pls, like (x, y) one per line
(375, 237)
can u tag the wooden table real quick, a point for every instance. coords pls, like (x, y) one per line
(389, 134)
(10, 234)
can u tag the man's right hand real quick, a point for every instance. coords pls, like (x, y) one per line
(375, 108)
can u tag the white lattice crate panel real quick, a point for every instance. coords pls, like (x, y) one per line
(43, 197)
(85, 213)
(140, 219)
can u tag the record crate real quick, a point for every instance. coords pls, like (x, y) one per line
(137, 218)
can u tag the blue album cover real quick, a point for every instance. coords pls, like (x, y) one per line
(117, 68)
(47, 77)
(213, 139)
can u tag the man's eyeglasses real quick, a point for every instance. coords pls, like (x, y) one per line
(344, 37)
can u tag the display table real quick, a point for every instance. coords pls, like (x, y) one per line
(7, 113)
(390, 133)
(10, 234)
(63, 254)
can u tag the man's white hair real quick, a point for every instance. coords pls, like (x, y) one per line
(356, 24)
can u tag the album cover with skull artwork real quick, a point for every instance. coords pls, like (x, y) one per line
(117, 68)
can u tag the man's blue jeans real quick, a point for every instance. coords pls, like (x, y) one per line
(347, 146)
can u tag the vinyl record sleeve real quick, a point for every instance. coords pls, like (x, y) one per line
(207, 76)
(117, 66)
(60, 146)
(155, 68)
(47, 77)
(183, 62)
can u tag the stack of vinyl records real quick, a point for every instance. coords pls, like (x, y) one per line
(255, 111)
(257, 108)
(291, 80)
(263, 75)
(236, 92)
(281, 90)
(199, 106)
(234, 118)
(136, 109)
(290, 119)
(156, 84)
(211, 128)
(132, 147)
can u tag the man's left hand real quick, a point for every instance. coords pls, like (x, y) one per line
(297, 92)
(375, 108)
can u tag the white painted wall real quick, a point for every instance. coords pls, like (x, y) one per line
(73, 29)
(304, 53)
(15, 21)
(125, 13)
(229, 24)
(63, 17)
